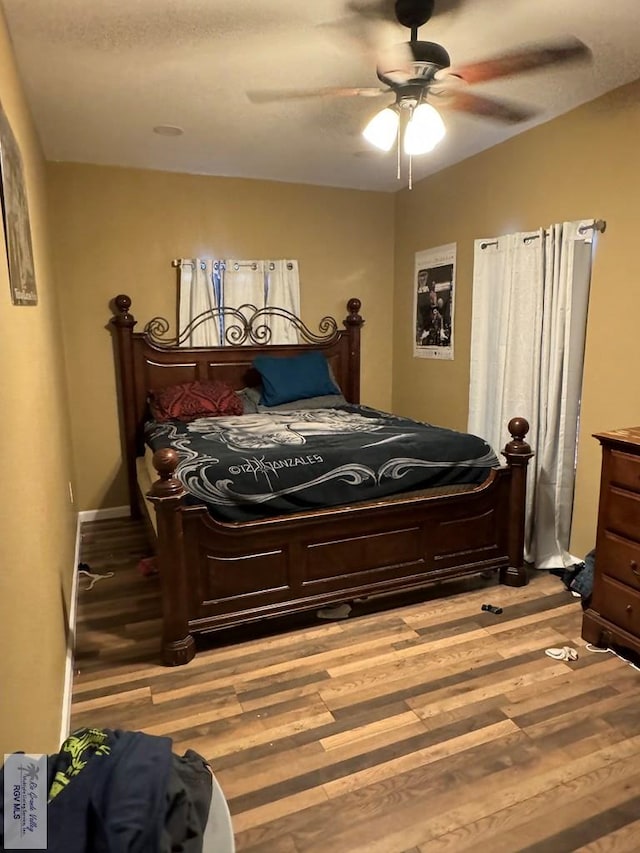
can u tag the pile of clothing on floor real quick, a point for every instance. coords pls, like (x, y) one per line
(124, 792)
(578, 578)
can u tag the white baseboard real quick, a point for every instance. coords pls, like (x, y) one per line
(101, 514)
(65, 724)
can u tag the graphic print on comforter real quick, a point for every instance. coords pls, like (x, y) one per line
(258, 465)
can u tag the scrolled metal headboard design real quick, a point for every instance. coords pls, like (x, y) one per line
(246, 324)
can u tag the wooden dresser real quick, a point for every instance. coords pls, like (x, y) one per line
(613, 617)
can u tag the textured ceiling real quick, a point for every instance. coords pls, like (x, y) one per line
(100, 74)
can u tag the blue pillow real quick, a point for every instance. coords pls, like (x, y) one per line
(294, 378)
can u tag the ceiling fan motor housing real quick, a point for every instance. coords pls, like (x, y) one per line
(414, 13)
(429, 52)
(427, 59)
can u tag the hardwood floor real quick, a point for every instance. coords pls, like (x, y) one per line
(426, 726)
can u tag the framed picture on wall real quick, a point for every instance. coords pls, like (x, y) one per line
(15, 218)
(433, 302)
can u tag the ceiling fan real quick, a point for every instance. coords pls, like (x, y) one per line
(419, 73)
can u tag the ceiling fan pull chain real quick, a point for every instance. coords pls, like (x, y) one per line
(398, 155)
(410, 172)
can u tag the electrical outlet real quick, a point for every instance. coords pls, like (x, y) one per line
(70, 492)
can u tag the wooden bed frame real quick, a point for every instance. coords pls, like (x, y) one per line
(217, 574)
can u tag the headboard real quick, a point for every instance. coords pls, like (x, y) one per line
(151, 359)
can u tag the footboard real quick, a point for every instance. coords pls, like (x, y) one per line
(215, 575)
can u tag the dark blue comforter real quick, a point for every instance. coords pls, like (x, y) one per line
(257, 465)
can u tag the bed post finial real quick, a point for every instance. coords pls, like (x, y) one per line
(517, 453)
(354, 318)
(123, 318)
(518, 428)
(165, 461)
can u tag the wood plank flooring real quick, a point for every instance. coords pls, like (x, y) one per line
(417, 725)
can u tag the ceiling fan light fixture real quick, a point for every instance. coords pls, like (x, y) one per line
(424, 130)
(382, 130)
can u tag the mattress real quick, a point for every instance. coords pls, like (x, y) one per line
(146, 475)
(273, 463)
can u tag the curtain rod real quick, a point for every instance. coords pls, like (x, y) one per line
(178, 262)
(598, 225)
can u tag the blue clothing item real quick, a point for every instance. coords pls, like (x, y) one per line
(583, 581)
(107, 793)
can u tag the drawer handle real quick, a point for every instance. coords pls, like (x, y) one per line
(634, 568)
(629, 608)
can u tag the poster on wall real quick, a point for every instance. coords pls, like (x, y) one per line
(433, 301)
(15, 218)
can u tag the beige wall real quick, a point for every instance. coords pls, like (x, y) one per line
(117, 230)
(37, 524)
(584, 164)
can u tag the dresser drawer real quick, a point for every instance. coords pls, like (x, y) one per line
(619, 558)
(622, 513)
(618, 603)
(624, 470)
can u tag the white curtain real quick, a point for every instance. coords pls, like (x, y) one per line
(198, 294)
(283, 291)
(233, 283)
(530, 299)
(243, 283)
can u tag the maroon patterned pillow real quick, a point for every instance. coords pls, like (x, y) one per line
(190, 400)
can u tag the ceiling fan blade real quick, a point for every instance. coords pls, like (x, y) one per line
(365, 35)
(523, 59)
(268, 96)
(395, 63)
(467, 102)
(374, 10)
